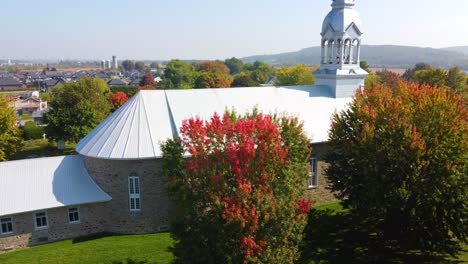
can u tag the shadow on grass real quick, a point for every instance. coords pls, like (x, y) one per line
(332, 237)
(130, 261)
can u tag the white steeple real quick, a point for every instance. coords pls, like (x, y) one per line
(341, 50)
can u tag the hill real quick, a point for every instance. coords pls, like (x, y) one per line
(378, 56)
(462, 49)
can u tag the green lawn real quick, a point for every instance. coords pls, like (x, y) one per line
(334, 236)
(42, 148)
(138, 249)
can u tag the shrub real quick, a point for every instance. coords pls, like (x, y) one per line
(31, 131)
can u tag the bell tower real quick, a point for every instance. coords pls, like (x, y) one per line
(341, 50)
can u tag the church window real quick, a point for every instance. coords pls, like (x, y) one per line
(313, 178)
(134, 193)
(6, 226)
(40, 220)
(73, 215)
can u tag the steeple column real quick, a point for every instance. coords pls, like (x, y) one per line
(323, 52)
(351, 58)
(358, 61)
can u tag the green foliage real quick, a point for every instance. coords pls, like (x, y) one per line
(410, 74)
(129, 90)
(399, 160)
(140, 66)
(226, 181)
(297, 75)
(234, 64)
(260, 72)
(213, 79)
(365, 66)
(128, 65)
(77, 108)
(432, 77)
(244, 79)
(32, 131)
(10, 136)
(180, 74)
(372, 80)
(456, 79)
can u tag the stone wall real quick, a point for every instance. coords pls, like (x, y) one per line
(156, 206)
(321, 193)
(92, 221)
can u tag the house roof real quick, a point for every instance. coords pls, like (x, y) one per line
(116, 82)
(45, 183)
(136, 130)
(10, 81)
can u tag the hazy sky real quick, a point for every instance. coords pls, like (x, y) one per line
(209, 29)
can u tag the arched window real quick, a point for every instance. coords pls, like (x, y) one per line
(324, 51)
(347, 51)
(331, 49)
(134, 191)
(355, 51)
(339, 48)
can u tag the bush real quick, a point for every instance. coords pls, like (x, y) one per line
(399, 159)
(31, 131)
(240, 193)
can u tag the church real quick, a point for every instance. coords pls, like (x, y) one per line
(114, 184)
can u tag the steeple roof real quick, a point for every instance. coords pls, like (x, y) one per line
(342, 16)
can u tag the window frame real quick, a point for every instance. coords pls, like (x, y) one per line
(11, 224)
(78, 214)
(35, 220)
(312, 181)
(134, 193)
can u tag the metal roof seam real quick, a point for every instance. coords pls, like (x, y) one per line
(119, 119)
(129, 133)
(149, 127)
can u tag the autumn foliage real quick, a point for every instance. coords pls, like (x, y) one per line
(118, 99)
(240, 194)
(399, 159)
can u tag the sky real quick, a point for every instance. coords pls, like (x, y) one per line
(211, 29)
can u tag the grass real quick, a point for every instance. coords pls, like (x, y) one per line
(137, 249)
(334, 236)
(38, 148)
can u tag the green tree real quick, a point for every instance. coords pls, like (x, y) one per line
(372, 80)
(234, 65)
(432, 77)
(365, 66)
(128, 65)
(296, 75)
(10, 136)
(456, 79)
(398, 159)
(410, 74)
(260, 72)
(140, 66)
(181, 74)
(239, 195)
(244, 79)
(77, 108)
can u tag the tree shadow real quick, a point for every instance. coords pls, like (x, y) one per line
(332, 237)
(130, 261)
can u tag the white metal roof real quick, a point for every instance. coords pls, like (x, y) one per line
(136, 130)
(39, 184)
